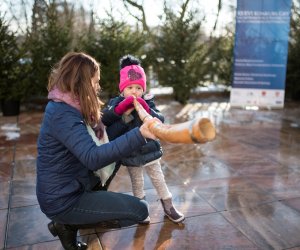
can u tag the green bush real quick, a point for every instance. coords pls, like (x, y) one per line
(47, 43)
(180, 58)
(108, 42)
(11, 67)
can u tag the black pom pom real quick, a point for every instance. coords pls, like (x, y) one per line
(129, 60)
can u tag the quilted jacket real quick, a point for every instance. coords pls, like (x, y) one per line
(120, 124)
(67, 157)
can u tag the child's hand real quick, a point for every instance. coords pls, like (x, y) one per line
(124, 105)
(144, 104)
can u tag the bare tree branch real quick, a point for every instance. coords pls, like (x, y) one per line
(218, 14)
(18, 15)
(141, 9)
(183, 9)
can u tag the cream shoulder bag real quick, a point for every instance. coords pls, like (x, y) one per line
(105, 172)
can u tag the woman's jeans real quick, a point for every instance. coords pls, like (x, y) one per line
(98, 206)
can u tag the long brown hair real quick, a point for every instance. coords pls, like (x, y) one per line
(73, 74)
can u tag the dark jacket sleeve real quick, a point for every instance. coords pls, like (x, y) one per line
(115, 126)
(108, 113)
(72, 132)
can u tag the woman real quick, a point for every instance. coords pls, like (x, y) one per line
(68, 156)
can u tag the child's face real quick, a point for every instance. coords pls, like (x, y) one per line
(133, 90)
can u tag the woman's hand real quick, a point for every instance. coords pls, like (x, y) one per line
(145, 131)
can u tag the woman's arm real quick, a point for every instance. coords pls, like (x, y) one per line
(68, 127)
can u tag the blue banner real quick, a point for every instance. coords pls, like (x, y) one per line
(260, 52)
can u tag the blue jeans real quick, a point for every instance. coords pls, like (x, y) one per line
(98, 206)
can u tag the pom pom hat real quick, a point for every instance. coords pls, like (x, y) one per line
(133, 74)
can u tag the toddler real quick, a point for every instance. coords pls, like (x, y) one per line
(120, 116)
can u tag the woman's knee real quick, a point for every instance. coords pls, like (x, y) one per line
(144, 209)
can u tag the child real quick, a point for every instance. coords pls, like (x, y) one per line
(120, 116)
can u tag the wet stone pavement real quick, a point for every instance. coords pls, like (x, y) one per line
(241, 191)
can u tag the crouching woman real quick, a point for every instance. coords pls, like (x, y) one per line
(68, 156)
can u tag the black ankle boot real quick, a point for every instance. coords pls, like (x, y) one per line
(67, 235)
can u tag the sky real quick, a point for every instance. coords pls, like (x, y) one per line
(153, 9)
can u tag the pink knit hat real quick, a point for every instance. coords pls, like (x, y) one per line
(132, 74)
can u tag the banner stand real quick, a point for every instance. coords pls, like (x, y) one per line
(260, 53)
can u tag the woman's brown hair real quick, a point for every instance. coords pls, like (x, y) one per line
(73, 74)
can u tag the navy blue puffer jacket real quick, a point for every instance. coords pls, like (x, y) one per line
(118, 125)
(67, 157)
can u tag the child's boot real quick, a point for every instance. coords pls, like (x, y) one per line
(170, 211)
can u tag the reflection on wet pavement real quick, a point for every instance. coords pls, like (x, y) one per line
(241, 191)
